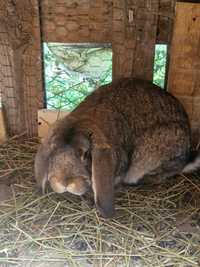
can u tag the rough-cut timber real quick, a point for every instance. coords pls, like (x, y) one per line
(184, 70)
(132, 27)
(20, 65)
(166, 10)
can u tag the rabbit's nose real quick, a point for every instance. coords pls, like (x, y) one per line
(57, 186)
(78, 186)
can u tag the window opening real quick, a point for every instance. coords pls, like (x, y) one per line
(160, 63)
(73, 71)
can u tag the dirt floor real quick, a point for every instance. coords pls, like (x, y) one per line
(154, 225)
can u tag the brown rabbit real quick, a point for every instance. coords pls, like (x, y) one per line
(123, 132)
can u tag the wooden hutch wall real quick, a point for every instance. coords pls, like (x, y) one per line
(20, 65)
(131, 26)
(107, 21)
(184, 71)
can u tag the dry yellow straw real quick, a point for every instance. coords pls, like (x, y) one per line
(154, 225)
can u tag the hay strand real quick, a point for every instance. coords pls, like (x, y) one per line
(154, 225)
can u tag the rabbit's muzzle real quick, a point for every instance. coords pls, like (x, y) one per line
(77, 185)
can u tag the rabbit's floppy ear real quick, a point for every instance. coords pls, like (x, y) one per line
(102, 180)
(41, 166)
(44, 154)
(57, 137)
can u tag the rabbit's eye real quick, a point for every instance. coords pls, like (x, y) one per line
(86, 155)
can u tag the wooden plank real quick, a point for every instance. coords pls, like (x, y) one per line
(185, 52)
(184, 67)
(20, 66)
(166, 13)
(189, 1)
(133, 38)
(3, 135)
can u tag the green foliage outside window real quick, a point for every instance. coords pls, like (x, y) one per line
(73, 72)
(160, 65)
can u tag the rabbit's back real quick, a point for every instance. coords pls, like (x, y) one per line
(146, 105)
(131, 106)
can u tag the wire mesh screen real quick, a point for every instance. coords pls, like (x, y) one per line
(7, 78)
(73, 71)
(20, 65)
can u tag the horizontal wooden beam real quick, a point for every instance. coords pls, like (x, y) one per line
(189, 1)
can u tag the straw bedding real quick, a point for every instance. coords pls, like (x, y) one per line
(154, 225)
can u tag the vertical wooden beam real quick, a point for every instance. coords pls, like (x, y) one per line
(134, 37)
(21, 30)
(8, 101)
(166, 12)
(184, 69)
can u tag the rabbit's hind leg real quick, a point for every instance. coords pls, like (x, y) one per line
(166, 170)
(161, 151)
(137, 172)
(152, 171)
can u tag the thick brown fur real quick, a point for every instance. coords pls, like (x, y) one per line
(123, 132)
